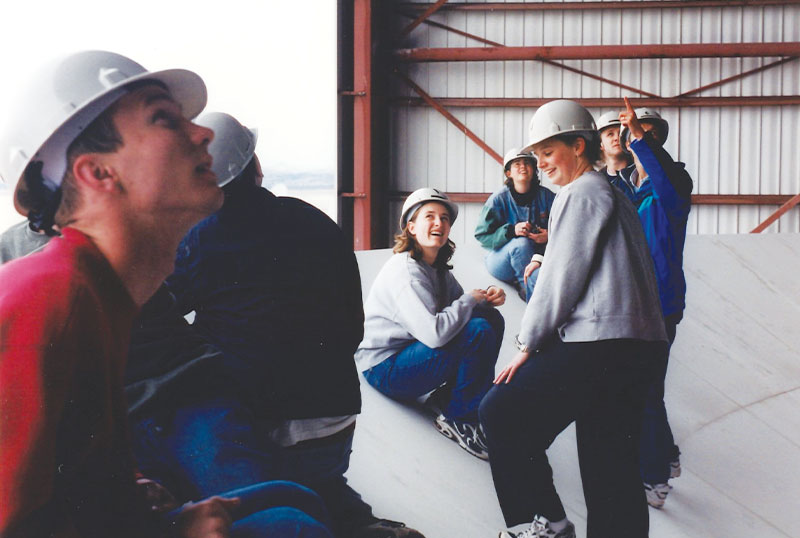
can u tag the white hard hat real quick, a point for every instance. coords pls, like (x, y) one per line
(514, 154)
(649, 115)
(423, 196)
(559, 117)
(609, 119)
(64, 97)
(233, 146)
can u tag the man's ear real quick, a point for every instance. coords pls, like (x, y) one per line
(90, 170)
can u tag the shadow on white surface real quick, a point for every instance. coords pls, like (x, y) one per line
(733, 396)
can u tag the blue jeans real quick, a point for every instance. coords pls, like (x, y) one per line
(275, 509)
(465, 364)
(201, 449)
(509, 261)
(601, 387)
(658, 448)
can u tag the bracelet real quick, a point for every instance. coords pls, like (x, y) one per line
(520, 346)
(537, 258)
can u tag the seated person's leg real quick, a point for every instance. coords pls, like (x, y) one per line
(508, 263)
(283, 522)
(530, 284)
(477, 347)
(321, 464)
(205, 448)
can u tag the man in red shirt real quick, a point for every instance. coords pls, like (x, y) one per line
(106, 153)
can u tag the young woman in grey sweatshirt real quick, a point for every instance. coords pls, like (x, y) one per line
(423, 332)
(590, 340)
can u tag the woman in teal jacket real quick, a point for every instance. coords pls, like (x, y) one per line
(513, 223)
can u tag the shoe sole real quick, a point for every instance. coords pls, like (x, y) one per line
(448, 432)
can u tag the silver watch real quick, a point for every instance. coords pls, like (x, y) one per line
(520, 346)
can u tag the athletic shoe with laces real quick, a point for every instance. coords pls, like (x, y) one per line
(540, 528)
(656, 494)
(469, 436)
(386, 528)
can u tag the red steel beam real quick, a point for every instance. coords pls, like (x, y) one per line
(422, 18)
(598, 52)
(549, 62)
(452, 119)
(534, 102)
(586, 6)
(362, 124)
(793, 201)
(697, 199)
(737, 77)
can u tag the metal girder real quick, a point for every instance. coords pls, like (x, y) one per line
(362, 125)
(549, 62)
(452, 119)
(422, 18)
(604, 5)
(598, 52)
(793, 201)
(535, 102)
(737, 76)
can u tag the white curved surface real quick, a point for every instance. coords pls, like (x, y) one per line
(733, 396)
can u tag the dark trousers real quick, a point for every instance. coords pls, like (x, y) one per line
(658, 448)
(600, 386)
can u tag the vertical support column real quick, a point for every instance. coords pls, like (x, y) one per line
(362, 124)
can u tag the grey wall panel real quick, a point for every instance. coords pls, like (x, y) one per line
(727, 150)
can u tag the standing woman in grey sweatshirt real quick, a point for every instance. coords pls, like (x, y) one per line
(590, 342)
(423, 332)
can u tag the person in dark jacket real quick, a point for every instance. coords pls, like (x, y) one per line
(513, 223)
(275, 287)
(661, 189)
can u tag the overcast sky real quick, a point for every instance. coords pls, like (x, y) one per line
(270, 63)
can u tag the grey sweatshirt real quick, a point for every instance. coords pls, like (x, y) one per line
(401, 309)
(597, 280)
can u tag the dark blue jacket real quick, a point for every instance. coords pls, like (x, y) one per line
(275, 286)
(663, 202)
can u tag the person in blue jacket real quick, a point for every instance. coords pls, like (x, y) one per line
(660, 188)
(513, 223)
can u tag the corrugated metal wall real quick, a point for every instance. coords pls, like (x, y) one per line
(727, 150)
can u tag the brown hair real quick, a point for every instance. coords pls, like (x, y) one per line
(592, 151)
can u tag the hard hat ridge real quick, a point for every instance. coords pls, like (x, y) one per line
(560, 117)
(63, 98)
(423, 196)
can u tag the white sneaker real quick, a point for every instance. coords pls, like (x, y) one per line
(540, 528)
(656, 494)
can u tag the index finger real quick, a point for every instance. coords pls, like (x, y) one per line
(628, 104)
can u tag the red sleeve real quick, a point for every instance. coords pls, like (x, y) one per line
(34, 384)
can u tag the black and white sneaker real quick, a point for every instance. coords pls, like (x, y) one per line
(656, 494)
(469, 436)
(540, 528)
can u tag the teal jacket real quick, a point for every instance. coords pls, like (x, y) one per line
(501, 213)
